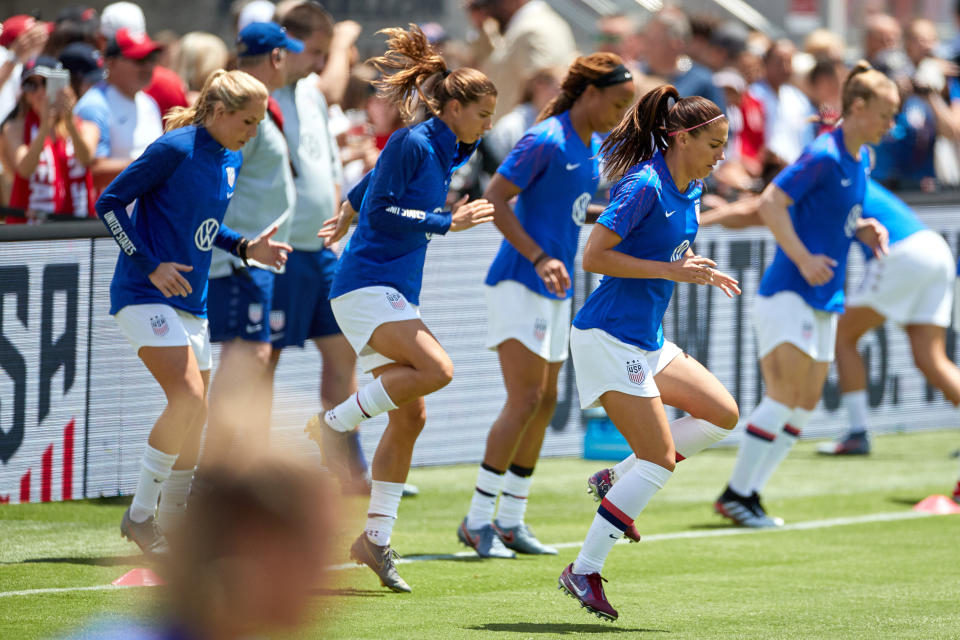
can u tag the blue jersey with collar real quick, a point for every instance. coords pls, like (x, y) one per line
(656, 222)
(558, 175)
(827, 186)
(182, 184)
(890, 211)
(402, 205)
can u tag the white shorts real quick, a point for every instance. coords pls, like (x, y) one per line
(539, 323)
(361, 311)
(786, 317)
(911, 285)
(160, 325)
(602, 363)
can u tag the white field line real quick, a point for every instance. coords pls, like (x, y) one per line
(656, 537)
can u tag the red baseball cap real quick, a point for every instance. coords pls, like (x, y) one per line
(16, 25)
(135, 46)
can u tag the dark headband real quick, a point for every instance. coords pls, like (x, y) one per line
(615, 76)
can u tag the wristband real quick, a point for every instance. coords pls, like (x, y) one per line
(540, 258)
(242, 251)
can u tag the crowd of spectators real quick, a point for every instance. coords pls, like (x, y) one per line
(59, 148)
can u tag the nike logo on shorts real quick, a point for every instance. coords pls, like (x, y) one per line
(255, 328)
(846, 182)
(571, 167)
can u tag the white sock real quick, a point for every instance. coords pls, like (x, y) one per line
(787, 437)
(155, 468)
(621, 506)
(692, 435)
(484, 499)
(856, 404)
(382, 512)
(513, 499)
(370, 401)
(173, 499)
(621, 469)
(762, 427)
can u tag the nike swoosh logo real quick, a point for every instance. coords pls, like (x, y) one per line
(670, 213)
(846, 182)
(254, 328)
(579, 592)
(571, 167)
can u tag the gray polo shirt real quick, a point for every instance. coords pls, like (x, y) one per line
(264, 194)
(316, 158)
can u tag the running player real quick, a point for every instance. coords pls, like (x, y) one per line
(181, 184)
(913, 286)
(376, 286)
(813, 207)
(553, 171)
(641, 244)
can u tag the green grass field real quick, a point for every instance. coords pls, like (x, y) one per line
(894, 577)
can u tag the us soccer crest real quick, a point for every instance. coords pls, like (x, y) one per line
(540, 329)
(636, 371)
(396, 301)
(159, 325)
(255, 312)
(231, 176)
(277, 320)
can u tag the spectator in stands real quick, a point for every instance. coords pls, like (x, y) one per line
(75, 24)
(882, 44)
(86, 67)
(728, 42)
(240, 296)
(667, 35)
(788, 113)
(165, 86)
(620, 34)
(128, 119)
(542, 87)
(699, 46)
(517, 37)
(51, 149)
(198, 55)
(21, 38)
(824, 85)
(824, 45)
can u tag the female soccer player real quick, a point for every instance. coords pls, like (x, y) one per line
(181, 184)
(813, 207)
(641, 244)
(553, 171)
(376, 287)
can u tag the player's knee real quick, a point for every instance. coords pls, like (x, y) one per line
(728, 417)
(548, 399)
(524, 401)
(439, 374)
(927, 362)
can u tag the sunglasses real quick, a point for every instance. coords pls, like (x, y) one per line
(34, 84)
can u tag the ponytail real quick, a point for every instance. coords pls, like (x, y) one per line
(233, 89)
(416, 79)
(649, 126)
(863, 82)
(583, 72)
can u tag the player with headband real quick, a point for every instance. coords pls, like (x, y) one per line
(642, 246)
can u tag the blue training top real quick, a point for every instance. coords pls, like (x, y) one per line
(557, 175)
(890, 211)
(182, 183)
(827, 186)
(401, 206)
(656, 222)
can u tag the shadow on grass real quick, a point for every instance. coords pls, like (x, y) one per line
(440, 556)
(559, 628)
(708, 526)
(105, 561)
(350, 591)
(905, 501)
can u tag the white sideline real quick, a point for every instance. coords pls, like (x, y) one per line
(656, 537)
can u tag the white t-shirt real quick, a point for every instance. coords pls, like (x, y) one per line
(126, 126)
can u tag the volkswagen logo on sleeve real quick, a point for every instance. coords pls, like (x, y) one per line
(206, 233)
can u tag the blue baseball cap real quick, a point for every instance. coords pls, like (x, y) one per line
(263, 37)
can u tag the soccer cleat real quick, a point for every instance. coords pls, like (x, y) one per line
(956, 493)
(380, 559)
(147, 535)
(754, 502)
(741, 510)
(587, 589)
(521, 539)
(852, 444)
(334, 445)
(484, 540)
(598, 485)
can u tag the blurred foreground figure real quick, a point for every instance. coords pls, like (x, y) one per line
(251, 553)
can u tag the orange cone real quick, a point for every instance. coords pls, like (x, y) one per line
(138, 578)
(937, 505)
